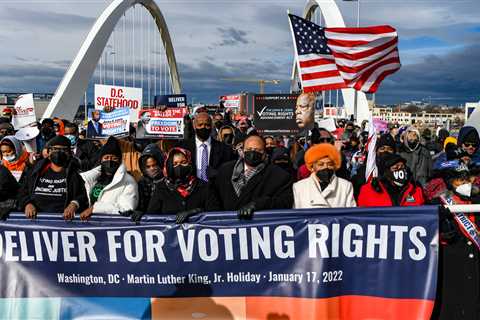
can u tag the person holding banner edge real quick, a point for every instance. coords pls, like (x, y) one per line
(54, 184)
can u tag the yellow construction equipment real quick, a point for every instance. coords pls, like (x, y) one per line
(261, 82)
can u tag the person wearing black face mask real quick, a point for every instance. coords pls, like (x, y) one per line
(54, 184)
(207, 154)
(47, 132)
(251, 183)
(226, 135)
(417, 155)
(181, 192)
(393, 187)
(323, 189)
(110, 188)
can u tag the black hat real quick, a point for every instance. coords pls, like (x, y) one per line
(386, 140)
(388, 160)
(59, 141)
(454, 152)
(111, 147)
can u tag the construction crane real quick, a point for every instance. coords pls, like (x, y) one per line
(261, 82)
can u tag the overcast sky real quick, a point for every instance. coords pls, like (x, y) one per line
(213, 40)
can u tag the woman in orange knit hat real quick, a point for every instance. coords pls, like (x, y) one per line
(323, 188)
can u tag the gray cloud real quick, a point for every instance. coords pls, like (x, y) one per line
(45, 19)
(232, 37)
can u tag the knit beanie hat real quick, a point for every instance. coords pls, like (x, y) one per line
(386, 140)
(111, 147)
(59, 141)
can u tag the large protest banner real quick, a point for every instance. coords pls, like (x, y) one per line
(107, 97)
(102, 124)
(274, 114)
(371, 263)
(167, 124)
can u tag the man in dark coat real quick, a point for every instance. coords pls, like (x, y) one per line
(418, 157)
(207, 154)
(54, 184)
(251, 183)
(85, 152)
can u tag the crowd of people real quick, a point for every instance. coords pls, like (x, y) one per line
(227, 165)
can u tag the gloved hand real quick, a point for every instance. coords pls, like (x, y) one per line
(183, 216)
(127, 213)
(135, 215)
(448, 228)
(4, 213)
(246, 212)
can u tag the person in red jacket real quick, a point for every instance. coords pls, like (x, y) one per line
(393, 187)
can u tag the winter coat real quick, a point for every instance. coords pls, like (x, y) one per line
(20, 167)
(121, 194)
(8, 188)
(419, 161)
(75, 185)
(338, 194)
(167, 201)
(369, 197)
(458, 293)
(271, 188)
(87, 154)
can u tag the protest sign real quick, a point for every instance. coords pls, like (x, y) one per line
(359, 263)
(328, 124)
(171, 101)
(108, 97)
(24, 111)
(274, 114)
(158, 124)
(103, 124)
(231, 101)
(380, 125)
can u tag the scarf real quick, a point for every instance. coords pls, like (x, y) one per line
(240, 176)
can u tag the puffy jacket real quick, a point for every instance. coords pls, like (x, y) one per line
(120, 195)
(338, 194)
(369, 197)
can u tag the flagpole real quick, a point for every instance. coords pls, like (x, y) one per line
(355, 102)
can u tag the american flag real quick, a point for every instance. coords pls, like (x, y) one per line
(335, 58)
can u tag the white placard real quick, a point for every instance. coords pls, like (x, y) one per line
(119, 97)
(328, 124)
(24, 112)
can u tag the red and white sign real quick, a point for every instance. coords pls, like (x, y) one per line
(232, 101)
(168, 124)
(107, 97)
(24, 112)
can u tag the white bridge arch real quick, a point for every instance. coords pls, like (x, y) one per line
(75, 81)
(333, 18)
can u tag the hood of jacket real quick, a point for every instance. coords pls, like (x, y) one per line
(151, 150)
(17, 146)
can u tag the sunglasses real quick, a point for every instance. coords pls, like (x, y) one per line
(325, 140)
(468, 144)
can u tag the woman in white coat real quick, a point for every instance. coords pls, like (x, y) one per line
(323, 189)
(110, 188)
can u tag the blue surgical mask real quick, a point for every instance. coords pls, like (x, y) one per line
(73, 139)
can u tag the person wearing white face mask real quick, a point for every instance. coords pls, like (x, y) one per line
(15, 158)
(458, 296)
